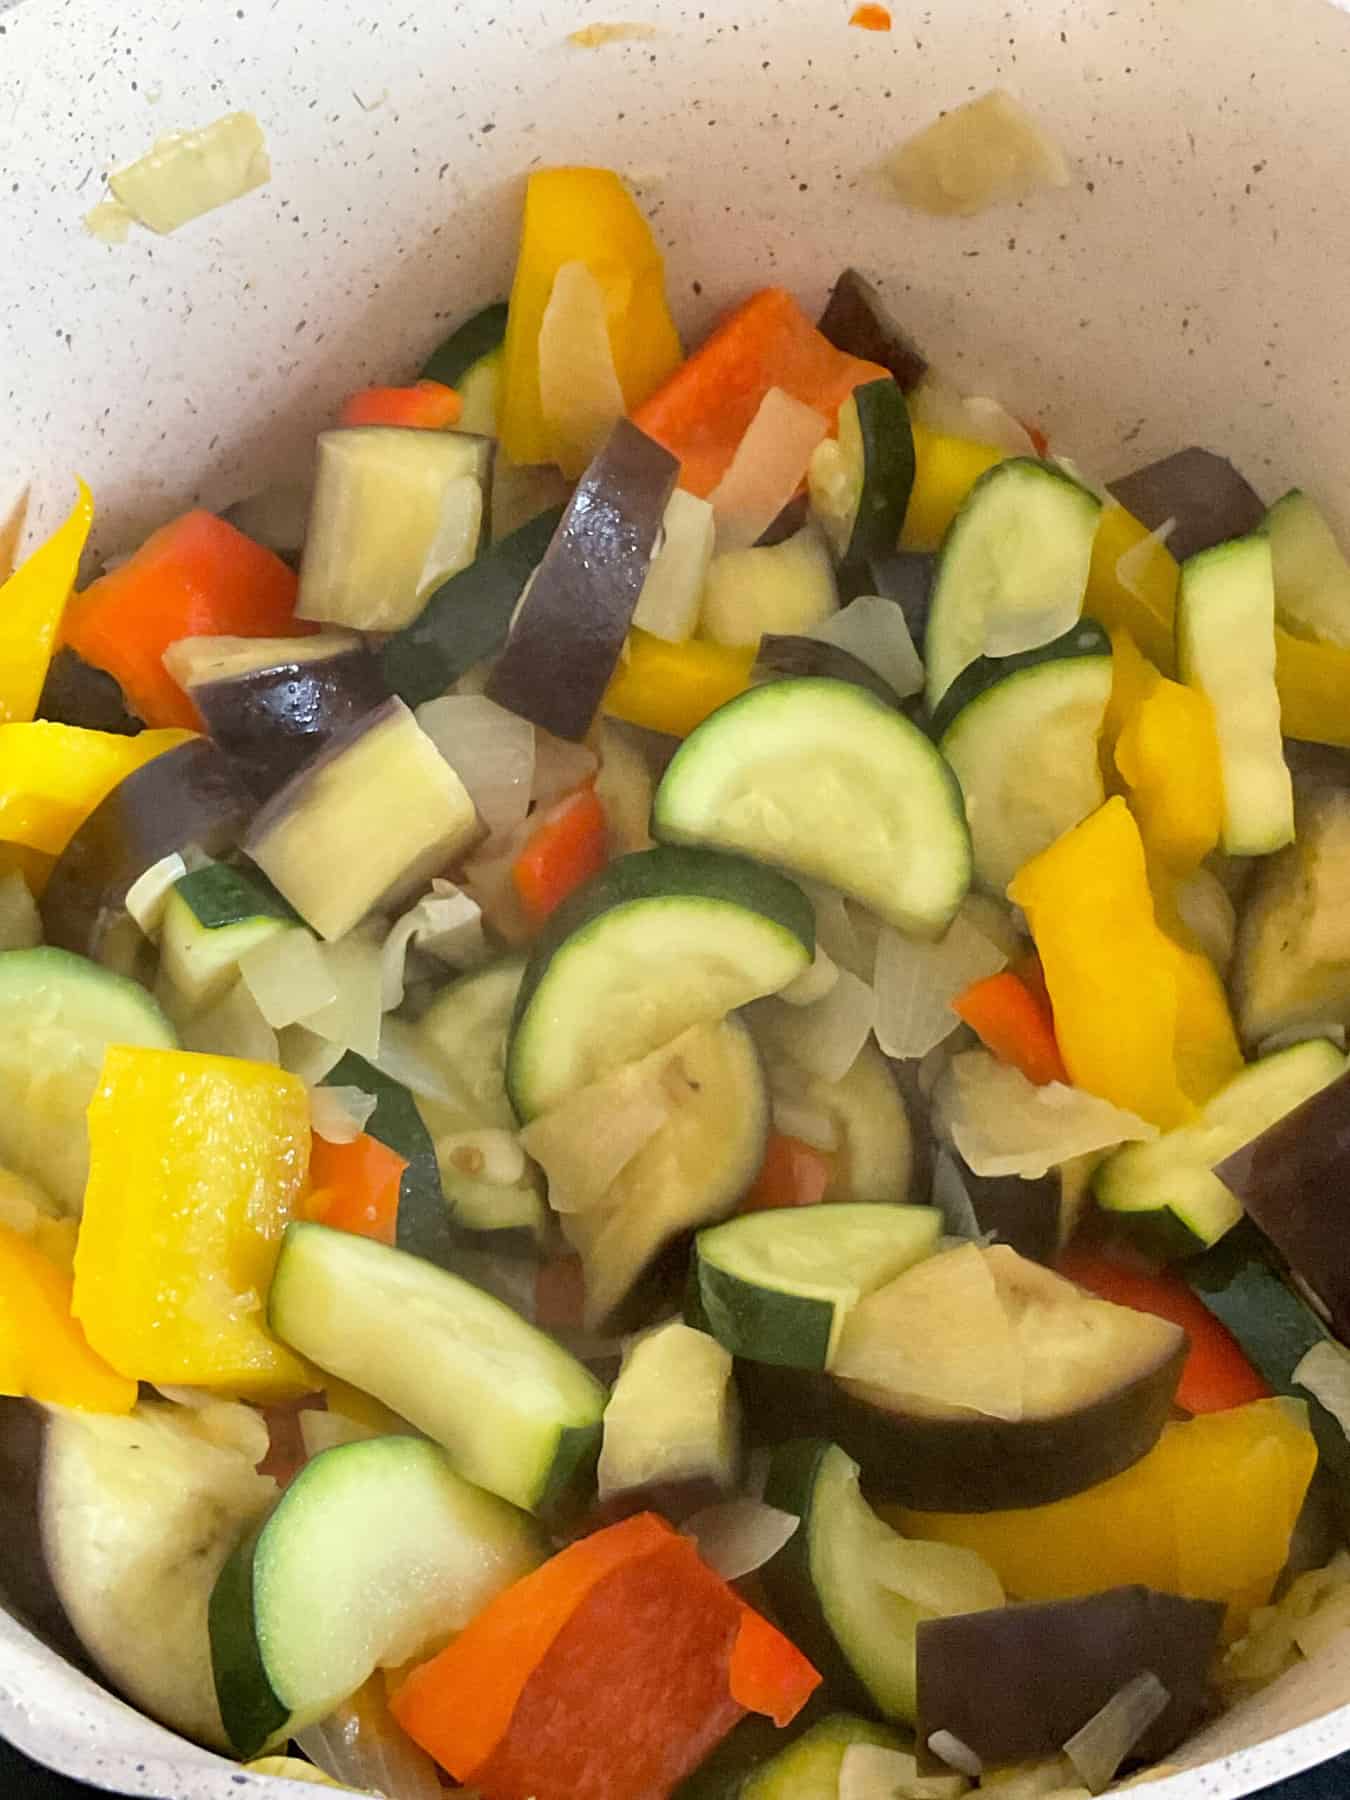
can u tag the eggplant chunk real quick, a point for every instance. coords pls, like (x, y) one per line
(1018, 1683)
(1204, 493)
(76, 693)
(978, 1381)
(571, 628)
(856, 319)
(191, 796)
(1021, 1213)
(786, 653)
(1292, 967)
(115, 1531)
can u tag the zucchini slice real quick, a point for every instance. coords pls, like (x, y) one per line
(1166, 1194)
(396, 512)
(1226, 648)
(1013, 568)
(823, 780)
(517, 1414)
(860, 481)
(58, 1015)
(213, 917)
(463, 1034)
(809, 1769)
(775, 1286)
(673, 1423)
(373, 1554)
(843, 1582)
(470, 361)
(657, 942)
(1312, 576)
(1050, 704)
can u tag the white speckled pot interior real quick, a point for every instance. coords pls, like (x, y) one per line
(1188, 287)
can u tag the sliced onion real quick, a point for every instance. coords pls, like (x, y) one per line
(874, 630)
(586, 1143)
(353, 1018)
(1003, 1124)
(560, 768)
(916, 984)
(490, 749)
(837, 933)
(308, 1056)
(768, 468)
(234, 1026)
(952, 1199)
(933, 1575)
(148, 896)
(188, 173)
(826, 1038)
(942, 408)
(873, 1772)
(401, 1058)
(340, 1114)
(1009, 632)
(808, 1124)
(813, 984)
(949, 1749)
(1205, 908)
(1325, 1372)
(1105, 1742)
(1133, 564)
(322, 1430)
(289, 976)
(20, 921)
(997, 921)
(736, 1537)
(579, 392)
(362, 1745)
(446, 924)
(489, 882)
(669, 602)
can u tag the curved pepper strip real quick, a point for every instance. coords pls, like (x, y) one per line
(673, 687)
(945, 470)
(1168, 754)
(43, 1353)
(1145, 608)
(32, 601)
(1314, 687)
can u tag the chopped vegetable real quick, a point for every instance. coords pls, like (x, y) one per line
(1143, 607)
(362, 1745)
(195, 577)
(918, 984)
(32, 601)
(673, 687)
(987, 152)
(43, 1352)
(1167, 752)
(1004, 1124)
(874, 630)
(767, 589)
(672, 1428)
(564, 850)
(1312, 577)
(427, 405)
(355, 1186)
(792, 1174)
(767, 469)
(582, 216)
(580, 396)
(706, 407)
(52, 777)
(1015, 1023)
(196, 1163)
(945, 471)
(188, 173)
(1205, 496)
(668, 605)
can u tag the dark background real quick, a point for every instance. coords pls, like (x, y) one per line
(21, 1780)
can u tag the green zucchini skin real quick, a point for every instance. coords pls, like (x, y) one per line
(1087, 638)
(467, 344)
(424, 1223)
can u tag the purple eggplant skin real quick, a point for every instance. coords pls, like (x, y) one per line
(272, 721)
(1017, 1683)
(1210, 501)
(570, 632)
(76, 693)
(786, 654)
(1292, 1182)
(189, 796)
(789, 522)
(25, 1575)
(907, 579)
(857, 320)
(967, 1464)
(1024, 1214)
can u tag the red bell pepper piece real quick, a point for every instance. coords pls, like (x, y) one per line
(426, 406)
(567, 847)
(792, 1174)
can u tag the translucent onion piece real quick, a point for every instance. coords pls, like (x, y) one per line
(949, 1749)
(1205, 908)
(826, 1037)
(234, 1026)
(997, 921)
(874, 630)
(669, 603)
(986, 153)
(624, 788)
(579, 392)
(736, 1537)
(560, 769)
(148, 896)
(1103, 1744)
(916, 983)
(308, 1056)
(353, 1018)
(937, 1576)
(490, 749)
(837, 933)
(768, 468)
(812, 984)
(952, 1199)
(446, 924)
(1003, 1124)
(340, 1114)
(20, 921)
(944, 409)
(289, 976)
(1009, 633)
(362, 1745)
(808, 1124)
(189, 173)
(584, 1145)
(1133, 564)
(401, 1059)
(228, 1424)
(872, 1772)
(1325, 1372)
(324, 1430)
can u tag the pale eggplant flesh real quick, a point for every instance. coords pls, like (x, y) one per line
(570, 631)
(1209, 499)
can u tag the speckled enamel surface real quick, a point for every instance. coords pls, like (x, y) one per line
(1189, 286)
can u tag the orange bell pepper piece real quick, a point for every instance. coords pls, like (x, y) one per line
(1015, 1023)
(792, 1174)
(426, 406)
(566, 848)
(355, 1187)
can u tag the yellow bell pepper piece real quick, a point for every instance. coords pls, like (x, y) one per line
(43, 1353)
(673, 687)
(1132, 679)
(1111, 972)
(53, 776)
(1145, 608)
(11, 535)
(1208, 1514)
(945, 470)
(586, 216)
(1168, 754)
(31, 603)
(196, 1164)
(25, 1208)
(1314, 687)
